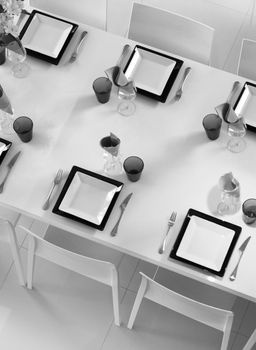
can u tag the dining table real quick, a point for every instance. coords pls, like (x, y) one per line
(182, 167)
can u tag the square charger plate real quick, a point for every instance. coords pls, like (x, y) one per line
(154, 73)
(205, 242)
(245, 105)
(46, 37)
(88, 197)
(4, 148)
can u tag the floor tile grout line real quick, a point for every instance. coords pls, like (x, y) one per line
(133, 274)
(227, 7)
(242, 319)
(112, 323)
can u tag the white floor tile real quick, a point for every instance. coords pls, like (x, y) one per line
(5, 261)
(159, 328)
(63, 311)
(239, 310)
(145, 267)
(240, 342)
(249, 321)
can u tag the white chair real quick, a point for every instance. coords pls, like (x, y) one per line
(211, 316)
(8, 221)
(98, 270)
(246, 64)
(91, 12)
(171, 32)
(251, 341)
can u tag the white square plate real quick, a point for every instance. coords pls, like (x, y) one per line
(152, 72)
(88, 197)
(46, 36)
(206, 242)
(245, 105)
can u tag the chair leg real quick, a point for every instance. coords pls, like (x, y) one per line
(137, 302)
(115, 297)
(17, 259)
(30, 262)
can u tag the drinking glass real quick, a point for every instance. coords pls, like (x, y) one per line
(6, 122)
(19, 68)
(230, 194)
(127, 95)
(237, 131)
(111, 155)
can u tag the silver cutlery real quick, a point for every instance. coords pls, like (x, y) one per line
(232, 277)
(171, 223)
(78, 45)
(9, 167)
(57, 179)
(179, 92)
(122, 207)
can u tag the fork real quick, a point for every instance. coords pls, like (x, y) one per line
(75, 53)
(57, 179)
(171, 222)
(179, 92)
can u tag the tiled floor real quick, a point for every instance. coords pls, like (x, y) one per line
(67, 311)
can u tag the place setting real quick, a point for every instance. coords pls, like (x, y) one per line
(142, 71)
(89, 197)
(238, 115)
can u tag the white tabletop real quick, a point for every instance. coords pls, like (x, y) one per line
(182, 167)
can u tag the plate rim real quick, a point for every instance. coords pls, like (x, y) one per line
(170, 81)
(249, 127)
(56, 209)
(48, 58)
(3, 154)
(193, 212)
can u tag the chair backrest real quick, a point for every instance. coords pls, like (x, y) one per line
(171, 32)
(246, 64)
(251, 341)
(89, 12)
(214, 317)
(101, 271)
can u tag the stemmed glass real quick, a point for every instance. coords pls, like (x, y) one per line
(237, 131)
(127, 95)
(20, 68)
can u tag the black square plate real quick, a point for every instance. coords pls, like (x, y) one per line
(4, 148)
(46, 37)
(88, 197)
(205, 242)
(154, 73)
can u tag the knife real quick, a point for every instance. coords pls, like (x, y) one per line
(232, 277)
(122, 207)
(9, 167)
(78, 45)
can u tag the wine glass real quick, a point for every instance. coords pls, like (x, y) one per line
(6, 122)
(237, 131)
(20, 68)
(127, 95)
